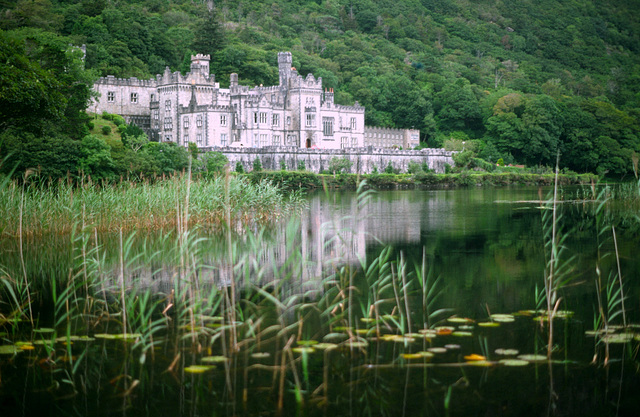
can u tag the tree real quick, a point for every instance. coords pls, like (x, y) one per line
(215, 162)
(95, 157)
(209, 35)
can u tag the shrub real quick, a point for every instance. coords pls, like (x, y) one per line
(339, 165)
(390, 170)
(301, 165)
(257, 164)
(215, 162)
(239, 167)
(283, 165)
(414, 167)
(106, 130)
(91, 125)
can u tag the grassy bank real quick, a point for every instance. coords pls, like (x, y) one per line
(61, 208)
(308, 180)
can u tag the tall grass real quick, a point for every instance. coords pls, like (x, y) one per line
(134, 206)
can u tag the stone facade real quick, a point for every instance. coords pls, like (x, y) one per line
(193, 108)
(381, 137)
(363, 160)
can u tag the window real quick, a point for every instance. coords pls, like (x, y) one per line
(256, 140)
(185, 122)
(134, 98)
(263, 117)
(223, 120)
(264, 140)
(275, 120)
(354, 142)
(185, 137)
(111, 96)
(344, 142)
(223, 139)
(167, 105)
(168, 123)
(327, 126)
(199, 139)
(156, 115)
(199, 120)
(291, 140)
(353, 123)
(288, 120)
(311, 120)
(153, 97)
(276, 140)
(255, 118)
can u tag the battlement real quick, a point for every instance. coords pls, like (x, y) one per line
(129, 82)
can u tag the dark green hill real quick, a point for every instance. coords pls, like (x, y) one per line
(524, 78)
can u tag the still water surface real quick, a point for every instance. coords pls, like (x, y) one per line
(484, 253)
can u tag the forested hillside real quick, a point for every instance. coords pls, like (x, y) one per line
(519, 79)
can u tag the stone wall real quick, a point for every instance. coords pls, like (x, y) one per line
(363, 160)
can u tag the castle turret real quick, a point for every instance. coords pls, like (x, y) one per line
(200, 64)
(284, 66)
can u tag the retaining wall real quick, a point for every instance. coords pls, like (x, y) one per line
(363, 160)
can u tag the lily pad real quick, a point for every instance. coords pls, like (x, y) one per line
(43, 330)
(410, 356)
(506, 352)
(428, 332)
(357, 344)
(9, 350)
(437, 350)
(475, 357)
(260, 355)
(325, 346)
(513, 362)
(307, 342)
(617, 338)
(214, 359)
(343, 329)
(462, 334)
(484, 364)
(367, 320)
(503, 318)
(489, 324)
(459, 320)
(303, 349)
(465, 327)
(198, 369)
(532, 358)
(397, 338)
(452, 346)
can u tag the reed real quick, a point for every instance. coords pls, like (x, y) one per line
(35, 209)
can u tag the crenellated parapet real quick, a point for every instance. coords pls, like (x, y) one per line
(126, 82)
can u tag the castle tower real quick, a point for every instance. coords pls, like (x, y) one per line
(284, 66)
(200, 64)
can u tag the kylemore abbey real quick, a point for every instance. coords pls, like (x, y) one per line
(297, 112)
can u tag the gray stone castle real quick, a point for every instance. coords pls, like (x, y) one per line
(193, 108)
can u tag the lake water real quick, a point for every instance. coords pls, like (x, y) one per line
(320, 331)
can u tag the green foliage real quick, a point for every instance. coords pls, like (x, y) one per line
(193, 150)
(215, 162)
(239, 168)
(339, 165)
(390, 169)
(106, 130)
(257, 164)
(95, 157)
(302, 165)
